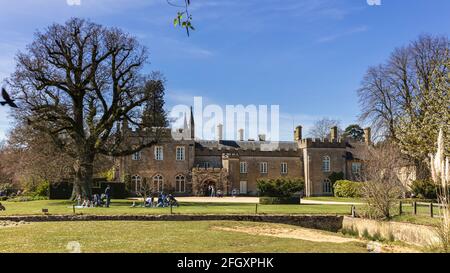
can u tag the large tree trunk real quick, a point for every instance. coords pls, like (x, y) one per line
(84, 172)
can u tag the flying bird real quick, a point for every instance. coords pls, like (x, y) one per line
(7, 99)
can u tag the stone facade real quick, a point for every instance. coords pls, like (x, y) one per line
(187, 166)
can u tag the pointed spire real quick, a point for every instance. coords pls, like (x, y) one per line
(185, 124)
(192, 125)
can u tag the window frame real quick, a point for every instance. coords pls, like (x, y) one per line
(178, 180)
(326, 184)
(243, 167)
(135, 179)
(358, 172)
(159, 180)
(285, 169)
(159, 156)
(182, 153)
(136, 156)
(326, 164)
(263, 170)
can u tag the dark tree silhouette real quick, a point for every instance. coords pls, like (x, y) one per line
(354, 132)
(77, 82)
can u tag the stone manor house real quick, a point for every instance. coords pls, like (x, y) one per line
(187, 166)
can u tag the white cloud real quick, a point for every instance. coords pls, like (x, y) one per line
(335, 36)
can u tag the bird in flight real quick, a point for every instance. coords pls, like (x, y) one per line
(7, 99)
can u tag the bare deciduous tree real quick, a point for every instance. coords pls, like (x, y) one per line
(382, 186)
(321, 128)
(145, 189)
(402, 101)
(76, 82)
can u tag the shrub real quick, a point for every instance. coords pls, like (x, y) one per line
(6, 188)
(42, 190)
(280, 187)
(346, 188)
(27, 198)
(424, 189)
(334, 176)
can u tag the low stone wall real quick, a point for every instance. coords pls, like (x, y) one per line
(323, 222)
(411, 233)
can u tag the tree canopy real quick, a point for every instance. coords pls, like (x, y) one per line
(407, 98)
(77, 82)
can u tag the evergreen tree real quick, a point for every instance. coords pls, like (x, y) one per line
(154, 114)
(354, 132)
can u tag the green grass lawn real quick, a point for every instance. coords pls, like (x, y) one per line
(124, 207)
(128, 236)
(335, 199)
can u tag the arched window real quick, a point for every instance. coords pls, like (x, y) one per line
(180, 183)
(327, 186)
(158, 183)
(136, 182)
(326, 164)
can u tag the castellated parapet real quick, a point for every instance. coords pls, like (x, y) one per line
(321, 143)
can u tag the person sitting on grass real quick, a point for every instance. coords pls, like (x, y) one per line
(85, 203)
(219, 193)
(2, 207)
(148, 202)
(172, 201)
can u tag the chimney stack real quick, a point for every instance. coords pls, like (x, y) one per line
(241, 134)
(262, 137)
(219, 132)
(334, 133)
(368, 135)
(298, 133)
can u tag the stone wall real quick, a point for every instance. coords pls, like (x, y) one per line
(329, 223)
(410, 233)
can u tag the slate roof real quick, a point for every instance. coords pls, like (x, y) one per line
(246, 145)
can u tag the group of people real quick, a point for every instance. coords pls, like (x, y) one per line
(213, 193)
(163, 201)
(10, 193)
(98, 200)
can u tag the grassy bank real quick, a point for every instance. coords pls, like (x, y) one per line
(156, 237)
(124, 207)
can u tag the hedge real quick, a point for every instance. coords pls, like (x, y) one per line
(424, 189)
(346, 188)
(279, 200)
(280, 187)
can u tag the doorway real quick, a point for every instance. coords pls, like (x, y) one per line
(243, 187)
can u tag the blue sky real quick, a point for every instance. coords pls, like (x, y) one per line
(308, 56)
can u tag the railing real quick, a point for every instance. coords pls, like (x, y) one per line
(419, 208)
